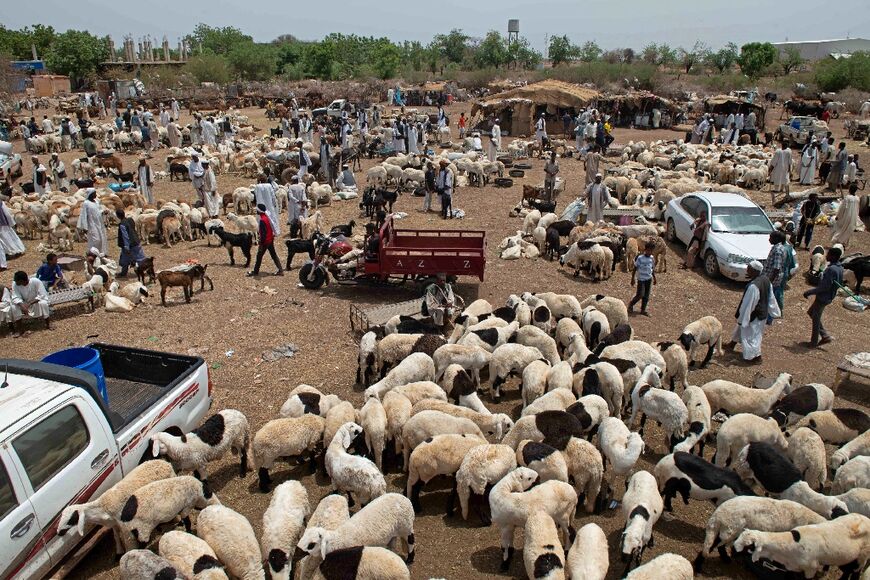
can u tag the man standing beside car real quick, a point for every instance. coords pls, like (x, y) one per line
(758, 303)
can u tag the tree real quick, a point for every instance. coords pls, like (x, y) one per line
(317, 60)
(492, 52)
(612, 56)
(76, 53)
(628, 55)
(19, 43)
(452, 46)
(209, 68)
(589, 51)
(724, 58)
(386, 58)
(837, 74)
(667, 55)
(689, 58)
(560, 50)
(756, 57)
(217, 40)
(790, 59)
(650, 53)
(523, 54)
(253, 62)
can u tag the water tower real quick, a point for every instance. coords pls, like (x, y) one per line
(513, 30)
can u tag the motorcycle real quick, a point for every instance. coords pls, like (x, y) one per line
(328, 252)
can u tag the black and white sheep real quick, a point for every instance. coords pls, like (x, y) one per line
(394, 348)
(416, 367)
(670, 566)
(699, 420)
(232, 538)
(469, 357)
(481, 468)
(302, 402)
(613, 308)
(554, 428)
(595, 326)
(543, 555)
(357, 476)
(362, 563)
(283, 524)
(507, 359)
(741, 429)
(692, 476)
(290, 437)
(801, 402)
(146, 565)
(641, 508)
(331, 512)
(706, 331)
(460, 387)
(676, 364)
(545, 460)
(365, 369)
(837, 426)
(602, 379)
(191, 556)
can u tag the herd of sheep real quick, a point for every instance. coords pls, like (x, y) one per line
(588, 387)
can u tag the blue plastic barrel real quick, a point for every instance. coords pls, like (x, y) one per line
(86, 359)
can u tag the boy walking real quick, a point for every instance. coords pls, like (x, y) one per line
(644, 272)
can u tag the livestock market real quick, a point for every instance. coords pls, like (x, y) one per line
(412, 323)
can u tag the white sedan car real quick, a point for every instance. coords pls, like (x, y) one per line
(739, 231)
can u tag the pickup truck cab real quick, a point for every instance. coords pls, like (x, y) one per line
(799, 130)
(333, 110)
(62, 444)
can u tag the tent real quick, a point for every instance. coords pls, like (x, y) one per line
(517, 108)
(723, 105)
(635, 109)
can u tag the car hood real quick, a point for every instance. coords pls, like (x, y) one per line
(755, 246)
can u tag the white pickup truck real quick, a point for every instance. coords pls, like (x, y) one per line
(61, 443)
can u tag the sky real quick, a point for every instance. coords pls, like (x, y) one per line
(612, 24)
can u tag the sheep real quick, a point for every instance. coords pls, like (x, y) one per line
(461, 388)
(665, 407)
(707, 330)
(512, 501)
(860, 445)
(836, 426)
(777, 475)
(439, 455)
(733, 398)
(699, 420)
(588, 558)
(331, 512)
(676, 364)
(482, 466)
(619, 445)
(564, 329)
(146, 565)
(489, 339)
(335, 418)
(362, 563)
(373, 419)
(419, 390)
(543, 555)
(387, 517)
(618, 335)
(398, 410)
(669, 566)
(576, 256)
(555, 400)
(283, 524)
(507, 359)
(161, 501)
(232, 538)
(548, 462)
(416, 367)
(191, 556)
(290, 437)
(561, 305)
(585, 471)
(554, 428)
(802, 401)
(807, 451)
(534, 381)
(470, 358)
(740, 513)
(492, 425)
(641, 508)
(530, 221)
(427, 424)
(106, 509)
(631, 358)
(852, 474)
(857, 500)
(694, 477)
(537, 338)
(843, 542)
(394, 348)
(357, 476)
(613, 308)
(315, 403)
(366, 360)
(602, 379)
(739, 430)
(246, 224)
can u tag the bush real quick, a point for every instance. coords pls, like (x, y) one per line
(603, 74)
(209, 68)
(835, 75)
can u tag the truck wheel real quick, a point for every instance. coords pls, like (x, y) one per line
(711, 264)
(317, 279)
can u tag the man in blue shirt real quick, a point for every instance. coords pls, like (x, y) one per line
(644, 272)
(50, 273)
(825, 293)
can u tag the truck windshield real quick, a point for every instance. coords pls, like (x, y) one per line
(740, 220)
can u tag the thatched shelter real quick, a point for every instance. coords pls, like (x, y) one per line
(636, 109)
(517, 108)
(723, 105)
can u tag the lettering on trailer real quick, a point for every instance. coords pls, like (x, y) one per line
(466, 264)
(399, 263)
(421, 265)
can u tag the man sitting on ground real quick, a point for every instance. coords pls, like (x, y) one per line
(440, 302)
(29, 298)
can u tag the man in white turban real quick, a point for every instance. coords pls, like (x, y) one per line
(758, 303)
(91, 221)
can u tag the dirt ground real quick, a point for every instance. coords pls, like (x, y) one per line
(232, 326)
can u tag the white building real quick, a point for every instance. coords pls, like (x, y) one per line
(819, 49)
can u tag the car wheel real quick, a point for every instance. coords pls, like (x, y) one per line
(711, 264)
(317, 279)
(671, 232)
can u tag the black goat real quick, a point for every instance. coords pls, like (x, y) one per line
(860, 265)
(121, 177)
(230, 241)
(300, 246)
(178, 170)
(551, 247)
(83, 183)
(543, 206)
(564, 227)
(345, 230)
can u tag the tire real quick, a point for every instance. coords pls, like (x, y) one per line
(317, 279)
(671, 231)
(711, 264)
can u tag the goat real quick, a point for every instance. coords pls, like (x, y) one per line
(230, 241)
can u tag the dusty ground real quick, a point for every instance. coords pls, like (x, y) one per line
(233, 325)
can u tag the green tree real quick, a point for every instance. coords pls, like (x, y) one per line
(689, 58)
(650, 53)
(560, 50)
(790, 59)
(253, 62)
(589, 52)
(209, 68)
(492, 52)
(756, 57)
(76, 53)
(667, 56)
(217, 40)
(452, 47)
(19, 43)
(834, 75)
(317, 60)
(724, 58)
(386, 59)
(612, 56)
(524, 55)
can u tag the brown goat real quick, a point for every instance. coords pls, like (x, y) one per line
(144, 267)
(169, 279)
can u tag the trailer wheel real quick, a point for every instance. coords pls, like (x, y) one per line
(317, 278)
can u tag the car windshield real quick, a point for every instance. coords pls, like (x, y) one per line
(740, 220)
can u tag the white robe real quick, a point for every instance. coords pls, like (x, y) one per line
(209, 133)
(34, 296)
(5, 299)
(495, 142)
(597, 198)
(297, 203)
(738, 120)
(750, 332)
(144, 187)
(730, 136)
(10, 243)
(412, 140)
(175, 110)
(781, 167)
(40, 189)
(540, 130)
(809, 162)
(847, 220)
(212, 200)
(265, 193)
(91, 220)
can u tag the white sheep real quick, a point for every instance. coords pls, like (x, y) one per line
(509, 358)
(857, 500)
(585, 470)
(843, 542)
(555, 400)
(427, 424)
(226, 430)
(366, 360)
(335, 418)
(631, 358)
(807, 451)
(288, 437)
(676, 364)
(560, 376)
(614, 308)
(283, 524)
(543, 555)
(146, 565)
(562, 305)
(741, 429)
(355, 475)
(512, 501)
(373, 419)
(492, 425)
(191, 556)
(588, 558)
(419, 390)
(534, 381)
(491, 337)
(641, 507)
(331, 512)
(706, 331)
(602, 379)
(439, 455)
(388, 517)
(733, 398)
(619, 445)
(665, 407)
(667, 566)
(565, 328)
(699, 420)
(854, 473)
(860, 445)
(246, 224)
(481, 467)
(232, 538)
(545, 460)
(416, 367)
(472, 358)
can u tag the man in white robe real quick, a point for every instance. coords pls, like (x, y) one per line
(209, 186)
(40, 177)
(412, 139)
(346, 180)
(809, 163)
(176, 109)
(29, 298)
(597, 198)
(297, 205)
(164, 116)
(495, 141)
(10, 243)
(540, 129)
(173, 134)
(728, 121)
(752, 314)
(780, 171)
(847, 218)
(593, 158)
(264, 193)
(738, 120)
(656, 118)
(91, 221)
(731, 135)
(195, 172)
(345, 132)
(58, 170)
(209, 132)
(143, 173)
(304, 160)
